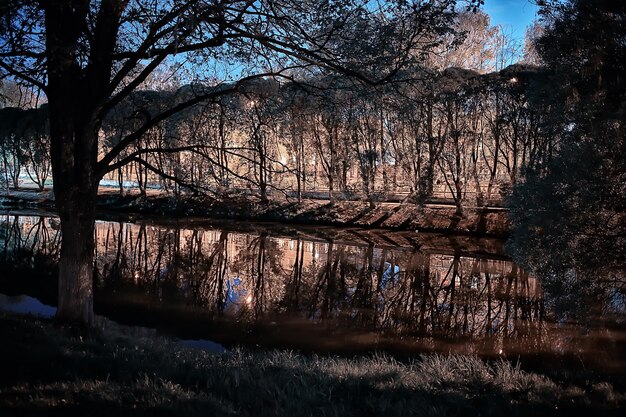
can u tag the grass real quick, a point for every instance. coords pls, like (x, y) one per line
(51, 369)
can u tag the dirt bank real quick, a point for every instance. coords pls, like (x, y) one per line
(394, 216)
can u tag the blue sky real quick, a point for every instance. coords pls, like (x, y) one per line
(516, 14)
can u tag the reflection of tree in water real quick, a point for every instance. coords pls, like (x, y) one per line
(194, 266)
(29, 235)
(468, 298)
(258, 276)
(258, 265)
(29, 250)
(335, 283)
(293, 280)
(324, 283)
(134, 255)
(207, 271)
(172, 264)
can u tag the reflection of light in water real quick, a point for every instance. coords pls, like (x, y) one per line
(24, 304)
(203, 344)
(390, 274)
(475, 282)
(234, 290)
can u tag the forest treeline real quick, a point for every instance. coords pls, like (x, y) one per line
(461, 126)
(454, 134)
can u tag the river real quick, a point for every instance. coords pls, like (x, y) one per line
(220, 284)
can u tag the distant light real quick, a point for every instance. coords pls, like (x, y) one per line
(513, 80)
(249, 299)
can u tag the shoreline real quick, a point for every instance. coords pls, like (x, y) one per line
(430, 218)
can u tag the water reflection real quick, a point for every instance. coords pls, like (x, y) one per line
(24, 304)
(302, 290)
(253, 277)
(207, 345)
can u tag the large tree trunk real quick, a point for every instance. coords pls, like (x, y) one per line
(75, 301)
(75, 95)
(74, 155)
(75, 190)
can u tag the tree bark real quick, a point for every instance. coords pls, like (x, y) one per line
(76, 93)
(74, 154)
(75, 302)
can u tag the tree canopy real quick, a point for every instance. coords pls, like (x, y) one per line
(569, 220)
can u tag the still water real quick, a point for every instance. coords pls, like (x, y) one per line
(311, 289)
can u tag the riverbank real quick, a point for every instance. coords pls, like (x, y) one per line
(52, 369)
(439, 218)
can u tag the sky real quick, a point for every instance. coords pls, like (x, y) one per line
(515, 14)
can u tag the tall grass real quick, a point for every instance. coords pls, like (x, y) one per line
(47, 369)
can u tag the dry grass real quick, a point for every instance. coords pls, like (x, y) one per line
(49, 369)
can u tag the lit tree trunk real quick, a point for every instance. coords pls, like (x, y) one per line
(331, 188)
(75, 301)
(75, 191)
(426, 190)
(120, 181)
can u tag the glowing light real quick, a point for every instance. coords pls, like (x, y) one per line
(249, 299)
(513, 80)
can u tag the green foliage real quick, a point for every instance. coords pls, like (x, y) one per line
(583, 45)
(570, 225)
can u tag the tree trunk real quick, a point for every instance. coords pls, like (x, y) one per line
(120, 181)
(331, 190)
(458, 198)
(77, 90)
(74, 154)
(76, 263)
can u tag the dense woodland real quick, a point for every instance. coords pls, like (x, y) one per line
(466, 138)
(453, 133)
